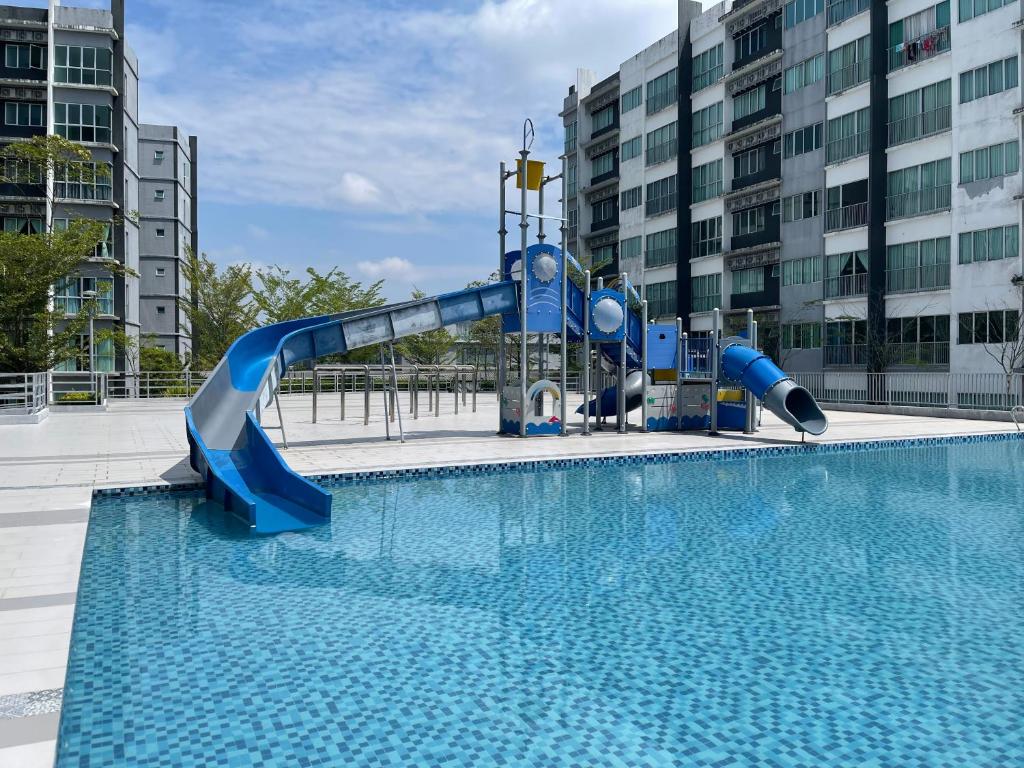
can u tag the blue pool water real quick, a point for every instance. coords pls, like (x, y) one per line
(840, 609)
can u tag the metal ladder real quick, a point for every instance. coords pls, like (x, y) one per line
(1017, 410)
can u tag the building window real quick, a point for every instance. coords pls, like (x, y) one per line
(631, 247)
(846, 274)
(989, 244)
(571, 184)
(660, 248)
(806, 72)
(919, 189)
(749, 162)
(158, 156)
(22, 172)
(661, 196)
(161, 232)
(161, 310)
(707, 125)
(801, 336)
(23, 226)
(919, 37)
(82, 65)
(919, 340)
(161, 271)
(662, 144)
(992, 327)
(22, 56)
(82, 122)
(705, 292)
(632, 99)
(846, 342)
(602, 119)
(23, 114)
(991, 78)
(662, 92)
(971, 8)
(83, 181)
(801, 10)
(750, 42)
(603, 257)
(604, 212)
(708, 67)
(801, 271)
(805, 205)
(570, 137)
(990, 162)
(750, 102)
(68, 294)
(158, 195)
(632, 148)
(706, 237)
(748, 222)
(921, 112)
(661, 298)
(632, 198)
(748, 280)
(102, 359)
(921, 265)
(803, 140)
(849, 65)
(848, 135)
(707, 181)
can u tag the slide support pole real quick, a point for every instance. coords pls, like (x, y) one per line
(586, 353)
(502, 232)
(643, 369)
(563, 382)
(394, 381)
(680, 368)
(385, 387)
(748, 396)
(620, 419)
(716, 320)
(524, 226)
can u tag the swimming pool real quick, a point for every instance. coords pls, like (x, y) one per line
(823, 609)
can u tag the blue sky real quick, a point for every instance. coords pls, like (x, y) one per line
(366, 134)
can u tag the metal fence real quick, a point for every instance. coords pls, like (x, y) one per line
(22, 393)
(979, 391)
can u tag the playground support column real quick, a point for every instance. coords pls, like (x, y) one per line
(563, 382)
(586, 353)
(524, 226)
(620, 418)
(754, 421)
(502, 232)
(748, 396)
(394, 381)
(598, 372)
(385, 387)
(681, 367)
(716, 320)
(643, 368)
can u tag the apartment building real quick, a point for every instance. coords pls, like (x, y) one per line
(853, 177)
(70, 72)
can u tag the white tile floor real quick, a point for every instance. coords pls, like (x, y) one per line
(48, 472)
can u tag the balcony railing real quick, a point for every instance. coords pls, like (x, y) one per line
(846, 285)
(844, 9)
(662, 152)
(661, 307)
(917, 203)
(932, 277)
(706, 303)
(847, 217)
(661, 204)
(838, 150)
(611, 221)
(846, 354)
(659, 257)
(920, 48)
(918, 353)
(847, 77)
(918, 126)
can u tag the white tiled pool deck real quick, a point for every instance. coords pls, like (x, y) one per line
(49, 471)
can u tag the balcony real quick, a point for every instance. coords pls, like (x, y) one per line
(918, 353)
(845, 286)
(838, 12)
(599, 224)
(846, 354)
(919, 126)
(932, 277)
(838, 150)
(660, 257)
(919, 49)
(917, 203)
(847, 77)
(847, 217)
(663, 152)
(705, 303)
(662, 204)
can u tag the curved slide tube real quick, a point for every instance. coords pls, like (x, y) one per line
(609, 399)
(228, 447)
(779, 393)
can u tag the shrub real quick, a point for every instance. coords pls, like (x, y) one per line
(76, 397)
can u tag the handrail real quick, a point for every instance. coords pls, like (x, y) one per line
(1017, 409)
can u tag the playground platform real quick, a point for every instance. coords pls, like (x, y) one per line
(49, 471)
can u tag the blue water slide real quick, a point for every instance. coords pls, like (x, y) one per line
(227, 446)
(779, 393)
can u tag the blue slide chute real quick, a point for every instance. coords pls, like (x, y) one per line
(779, 393)
(227, 446)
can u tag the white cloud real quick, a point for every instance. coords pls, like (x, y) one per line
(382, 108)
(389, 268)
(256, 232)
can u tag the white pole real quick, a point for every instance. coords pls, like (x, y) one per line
(586, 353)
(524, 226)
(713, 352)
(643, 368)
(564, 358)
(502, 232)
(748, 396)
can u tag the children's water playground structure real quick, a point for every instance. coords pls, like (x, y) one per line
(543, 292)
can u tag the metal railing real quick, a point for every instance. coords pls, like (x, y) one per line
(847, 217)
(22, 394)
(839, 12)
(932, 277)
(705, 303)
(919, 126)
(920, 48)
(660, 153)
(846, 354)
(918, 202)
(838, 150)
(848, 77)
(77, 387)
(969, 391)
(846, 285)
(918, 353)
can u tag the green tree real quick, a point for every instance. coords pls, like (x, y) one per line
(158, 359)
(283, 297)
(222, 308)
(429, 347)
